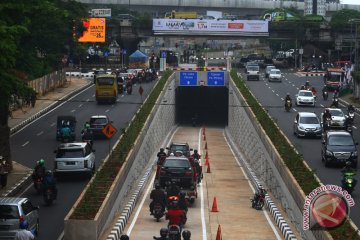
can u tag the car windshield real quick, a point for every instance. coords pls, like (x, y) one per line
(305, 94)
(341, 140)
(275, 72)
(176, 163)
(253, 68)
(100, 121)
(309, 120)
(182, 148)
(9, 212)
(337, 113)
(70, 153)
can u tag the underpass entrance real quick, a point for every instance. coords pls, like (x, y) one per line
(202, 98)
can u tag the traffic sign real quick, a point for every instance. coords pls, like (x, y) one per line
(216, 78)
(188, 78)
(124, 51)
(109, 130)
(106, 54)
(163, 54)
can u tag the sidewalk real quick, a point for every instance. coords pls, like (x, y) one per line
(20, 175)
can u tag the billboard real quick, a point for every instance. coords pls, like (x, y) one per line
(95, 30)
(211, 27)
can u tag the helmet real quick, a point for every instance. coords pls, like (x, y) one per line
(164, 232)
(24, 224)
(327, 110)
(41, 162)
(87, 125)
(186, 234)
(48, 172)
(161, 149)
(124, 237)
(172, 154)
(157, 186)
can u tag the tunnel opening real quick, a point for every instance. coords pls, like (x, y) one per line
(202, 106)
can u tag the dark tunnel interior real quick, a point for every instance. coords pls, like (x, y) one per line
(202, 106)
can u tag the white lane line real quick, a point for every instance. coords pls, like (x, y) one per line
(202, 208)
(295, 110)
(269, 87)
(88, 100)
(282, 99)
(53, 124)
(253, 190)
(26, 143)
(321, 105)
(107, 110)
(73, 110)
(40, 133)
(80, 105)
(93, 95)
(141, 206)
(293, 85)
(297, 88)
(354, 127)
(277, 94)
(273, 91)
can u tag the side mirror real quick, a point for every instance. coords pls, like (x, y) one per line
(295, 121)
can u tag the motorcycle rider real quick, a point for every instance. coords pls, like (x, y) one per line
(198, 170)
(348, 169)
(307, 85)
(87, 134)
(196, 155)
(50, 182)
(157, 195)
(175, 215)
(186, 234)
(163, 234)
(161, 155)
(173, 190)
(182, 201)
(288, 98)
(65, 131)
(326, 115)
(350, 108)
(24, 233)
(39, 169)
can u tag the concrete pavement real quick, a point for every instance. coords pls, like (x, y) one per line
(19, 177)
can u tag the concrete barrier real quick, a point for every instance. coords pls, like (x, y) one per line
(160, 122)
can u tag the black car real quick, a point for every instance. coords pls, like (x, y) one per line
(183, 147)
(338, 147)
(97, 124)
(178, 170)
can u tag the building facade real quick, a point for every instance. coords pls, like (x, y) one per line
(316, 7)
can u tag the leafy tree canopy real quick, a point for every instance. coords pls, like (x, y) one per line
(340, 20)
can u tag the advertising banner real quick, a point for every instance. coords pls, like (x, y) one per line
(95, 30)
(207, 26)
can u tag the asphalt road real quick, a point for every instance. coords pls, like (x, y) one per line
(271, 96)
(37, 141)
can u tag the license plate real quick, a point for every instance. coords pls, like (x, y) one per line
(176, 179)
(70, 163)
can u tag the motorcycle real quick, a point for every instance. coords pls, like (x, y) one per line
(258, 201)
(335, 102)
(327, 124)
(129, 89)
(158, 211)
(348, 182)
(325, 95)
(174, 232)
(65, 139)
(170, 199)
(288, 105)
(350, 116)
(49, 196)
(38, 184)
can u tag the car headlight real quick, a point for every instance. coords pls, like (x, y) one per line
(301, 128)
(329, 153)
(318, 128)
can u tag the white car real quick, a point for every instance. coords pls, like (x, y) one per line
(338, 118)
(305, 98)
(268, 69)
(275, 75)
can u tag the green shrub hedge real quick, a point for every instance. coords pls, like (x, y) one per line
(103, 179)
(293, 160)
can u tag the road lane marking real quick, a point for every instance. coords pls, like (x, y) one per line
(53, 124)
(26, 143)
(253, 190)
(93, 95)
(354, 127)
(273, 91)
(282, 99)
(73, 110)
(80, 105)
(322, 105)
(40, 133)
(294, 109)
(277, 94)
(107, 110)
(88, 100)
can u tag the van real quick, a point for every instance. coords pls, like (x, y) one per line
(253, 72)
(12, 212)
(106, 88)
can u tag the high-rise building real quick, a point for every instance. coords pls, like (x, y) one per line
(316, 7)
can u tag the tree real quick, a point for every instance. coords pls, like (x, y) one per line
(340, 20)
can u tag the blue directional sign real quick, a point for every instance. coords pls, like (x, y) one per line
(106, 54)
(216, 78)
(163, 54)
(188, 78)
(124, 51)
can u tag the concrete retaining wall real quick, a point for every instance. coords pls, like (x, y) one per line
(250, 138)
(160, 122)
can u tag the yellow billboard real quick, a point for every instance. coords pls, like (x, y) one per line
(95, 30)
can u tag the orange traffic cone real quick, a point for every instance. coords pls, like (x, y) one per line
(218, 234)
(206, 161)
(205, 145)
(208, 168)
(214, 206)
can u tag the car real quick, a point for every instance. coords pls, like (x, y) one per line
(275, 75)
(178, 170)
(97, 124)
(183, 147)
(338, 118)
(75, 157)
(14, 210)
(268, 69)
(305, 98)
(338, 146)
(307, 124)
(253, 72)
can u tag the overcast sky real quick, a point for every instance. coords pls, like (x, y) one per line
(355, 2)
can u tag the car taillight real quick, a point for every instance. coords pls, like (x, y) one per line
(21, 219)
(188, 173)
(85, 163)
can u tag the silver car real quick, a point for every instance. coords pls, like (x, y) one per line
(12, 212)
(307, 124)
(338, 118)
(75, 157)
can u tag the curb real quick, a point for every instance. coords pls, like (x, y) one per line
(47, 109)
(119, 226)
(18, 186)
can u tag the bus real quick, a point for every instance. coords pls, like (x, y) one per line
(333, 78)
(106, 88)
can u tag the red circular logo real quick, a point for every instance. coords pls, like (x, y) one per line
(329, 210)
